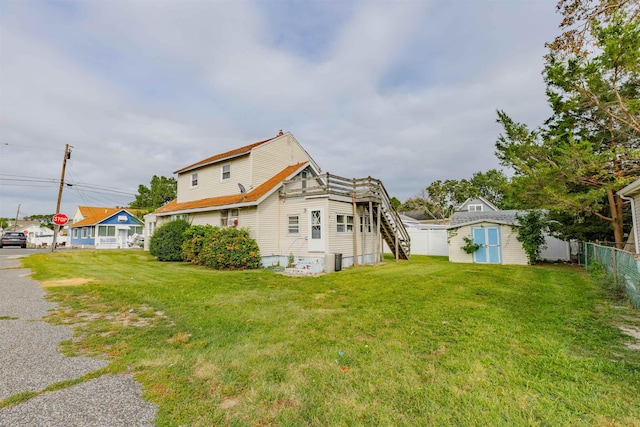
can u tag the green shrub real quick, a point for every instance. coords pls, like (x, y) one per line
(166, 242)
(531, 233)
(195, 238)
(222, 248)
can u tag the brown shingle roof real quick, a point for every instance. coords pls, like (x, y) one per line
(249, 197)
(225, 155)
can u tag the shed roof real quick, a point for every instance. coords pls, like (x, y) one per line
(503, 217)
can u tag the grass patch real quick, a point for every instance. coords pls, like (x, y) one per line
(8, 318)
(425, 342)
(19, 398)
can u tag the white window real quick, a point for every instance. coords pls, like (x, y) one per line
(303, 176)
(365, 224)
(122, 218)
(194, 180)
(106, 230)
(180, 216)
(294, 224)
(75, 233)
(344, 223)
(229, 218)
(226, 172)
(475, 208)
(85, 232)
(134, 230)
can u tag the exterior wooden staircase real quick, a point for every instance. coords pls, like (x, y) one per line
(365, 191)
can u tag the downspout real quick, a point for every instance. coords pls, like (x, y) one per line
(634, 221)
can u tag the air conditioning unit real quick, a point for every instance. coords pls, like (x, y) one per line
(232, 222)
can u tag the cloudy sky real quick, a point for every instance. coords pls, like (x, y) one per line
(404, 91)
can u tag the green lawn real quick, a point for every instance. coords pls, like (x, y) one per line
(424, 342)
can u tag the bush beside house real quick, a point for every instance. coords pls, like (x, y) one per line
(221, 248)
(166, 242)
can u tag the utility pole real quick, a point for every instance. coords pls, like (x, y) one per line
(67, 155)
(15, 224)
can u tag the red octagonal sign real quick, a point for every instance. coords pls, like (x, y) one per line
(60, 219)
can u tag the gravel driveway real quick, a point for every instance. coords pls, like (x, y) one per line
(30, 361)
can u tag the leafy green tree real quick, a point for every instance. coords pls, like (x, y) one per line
(395, 202)
(492, 185)
(160, 191)
(531, 233)
(4, 223)
(421, 203)
(590, 147)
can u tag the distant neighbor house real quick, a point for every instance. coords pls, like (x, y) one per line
(39, 236)
(631, 193)
(105, 228)
(277, 191)
(496, 232)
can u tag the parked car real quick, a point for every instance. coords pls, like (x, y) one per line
(13, 238)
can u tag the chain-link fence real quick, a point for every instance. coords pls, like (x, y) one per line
(622, 267)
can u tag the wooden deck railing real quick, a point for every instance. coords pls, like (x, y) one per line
(357, 189)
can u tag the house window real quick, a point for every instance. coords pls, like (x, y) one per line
(226, 172)
(194, 180)
(106, 230)
(180, 216)
(229, 218)
(122, 218)
(303, 176)
(85, 232)
(152, 228)
(344, 223)
(75, 233)
(475, 208)
(134, 230)
(294, 224)
(365, 224)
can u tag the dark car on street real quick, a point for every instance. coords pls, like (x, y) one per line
(13, 238)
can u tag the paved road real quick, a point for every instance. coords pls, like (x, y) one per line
(30, 361)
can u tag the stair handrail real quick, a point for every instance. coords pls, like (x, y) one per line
(386, 201)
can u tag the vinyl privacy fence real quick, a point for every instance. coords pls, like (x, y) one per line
(622, 267)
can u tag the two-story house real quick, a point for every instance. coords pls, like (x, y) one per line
(277, 191)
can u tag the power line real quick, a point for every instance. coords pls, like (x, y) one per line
(39, 147)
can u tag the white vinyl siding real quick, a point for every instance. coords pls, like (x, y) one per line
(209, 181)
(339, 242)
(272, 157)
(269, 224)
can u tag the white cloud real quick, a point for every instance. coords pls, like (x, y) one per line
(404, 91)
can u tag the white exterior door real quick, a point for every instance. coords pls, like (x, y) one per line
(316, 230)
(122, 238)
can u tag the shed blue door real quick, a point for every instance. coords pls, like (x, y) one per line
(489, 239)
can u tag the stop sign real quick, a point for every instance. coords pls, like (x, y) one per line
(60, 219)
